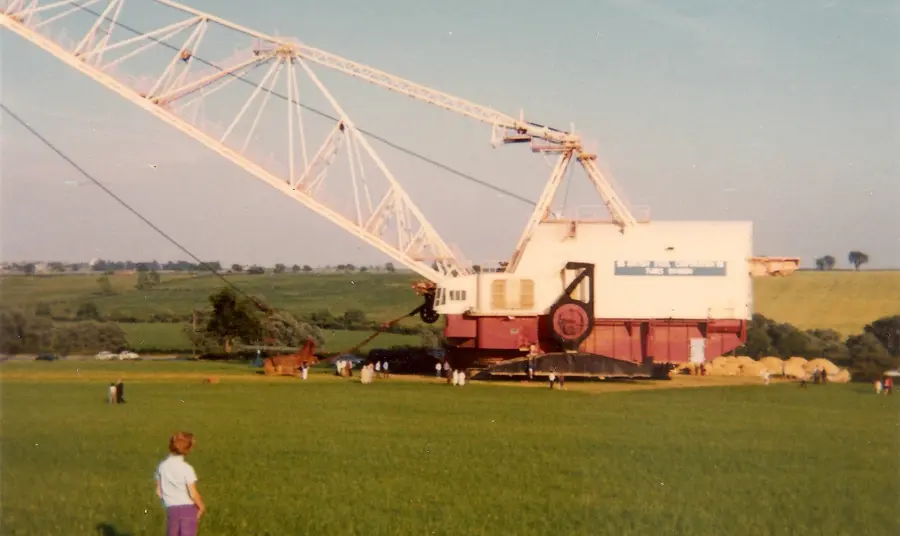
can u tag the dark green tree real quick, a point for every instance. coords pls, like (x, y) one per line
(857, 259)
(106, 288)
(232, 318)
(355, 319)
(868, 358)
(20, 332)
(887, 331)
(282, 329)
(87, 311)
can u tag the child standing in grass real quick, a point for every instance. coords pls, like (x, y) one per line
(176, 485)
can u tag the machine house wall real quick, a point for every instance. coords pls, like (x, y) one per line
(628, 295)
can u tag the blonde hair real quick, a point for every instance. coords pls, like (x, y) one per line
(181, 443)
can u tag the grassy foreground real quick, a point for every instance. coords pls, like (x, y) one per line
(331, 456)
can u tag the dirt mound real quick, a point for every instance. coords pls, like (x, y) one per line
(823, 364)
(724, 369)
(773, 364)
(842, 376)
(722, 360)
(753, 368)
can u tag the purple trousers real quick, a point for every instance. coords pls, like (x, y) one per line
(181, 520)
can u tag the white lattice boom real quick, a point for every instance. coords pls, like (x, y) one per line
(374, 206)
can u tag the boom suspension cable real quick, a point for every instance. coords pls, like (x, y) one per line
(259, 305)
(321, 113)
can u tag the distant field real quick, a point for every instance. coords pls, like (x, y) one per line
(381, 296)
(412, 457)
(844, 301)
(171, 337)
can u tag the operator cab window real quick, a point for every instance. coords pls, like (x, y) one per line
(457, 295)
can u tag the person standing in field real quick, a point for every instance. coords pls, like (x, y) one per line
(176, 485)
(888, 385)
(378, 369)
(384, 369)
(111, 394)
(120, 391)
(304, 370)
(437, 369)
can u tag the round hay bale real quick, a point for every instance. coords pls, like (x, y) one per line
(794, 370)
(722, 360)
(754, 368)
(842, 376)
(823, 364)
(728, 369)
(773, 364)
(796, 361)
(744, 360)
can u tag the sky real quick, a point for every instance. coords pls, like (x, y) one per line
(783, 113)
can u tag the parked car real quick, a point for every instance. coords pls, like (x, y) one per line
(129, 356)
(46, 357)
(354, 360)
(106, 356)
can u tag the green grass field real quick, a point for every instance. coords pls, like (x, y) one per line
(381, 296)
(172, 337)
(331, 456)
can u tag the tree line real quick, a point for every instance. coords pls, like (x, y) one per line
(855, 258)
(109, 267)
(867, 354)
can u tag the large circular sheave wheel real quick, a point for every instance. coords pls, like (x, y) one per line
(429, 316)
(571, 322)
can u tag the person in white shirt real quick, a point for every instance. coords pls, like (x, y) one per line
(462, 378)
(304, 370)
(378, 369)
(384, 369)
(437, 369)
(111, 394)
(176, 485)
(455, 379)
(339, 367)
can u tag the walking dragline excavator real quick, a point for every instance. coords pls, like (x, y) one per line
(583, 296)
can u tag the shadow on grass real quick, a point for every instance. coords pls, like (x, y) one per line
(107, 529)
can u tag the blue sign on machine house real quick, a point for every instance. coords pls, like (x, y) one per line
(671, 268)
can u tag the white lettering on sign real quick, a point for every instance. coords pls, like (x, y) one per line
(671, 268)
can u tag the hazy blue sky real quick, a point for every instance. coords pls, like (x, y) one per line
(784, 113)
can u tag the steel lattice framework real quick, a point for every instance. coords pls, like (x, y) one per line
(389, 220)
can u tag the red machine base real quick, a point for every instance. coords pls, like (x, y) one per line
(494, 338)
